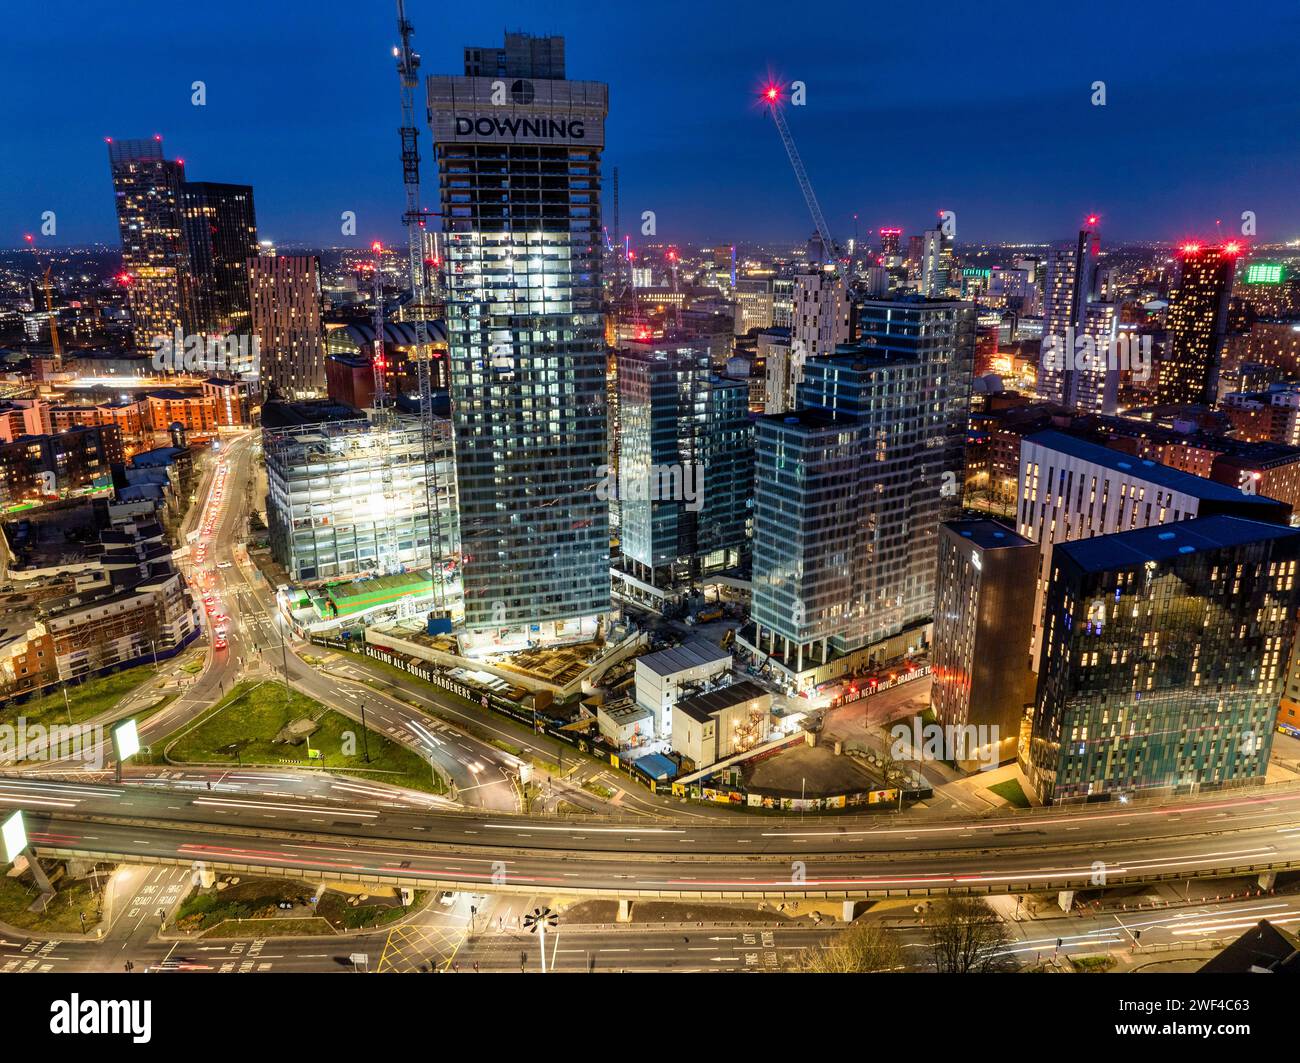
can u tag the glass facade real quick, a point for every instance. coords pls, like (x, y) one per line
(221, 236)
(520, 194)
(850, 489)
(1165, 656)
(683, 428)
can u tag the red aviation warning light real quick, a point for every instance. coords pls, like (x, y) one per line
(772, 93)
(376, 246)
(1232, 249)
(1092, 219)
(1190, 248)
(125, 279)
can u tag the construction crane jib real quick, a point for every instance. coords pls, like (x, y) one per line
(772, 97)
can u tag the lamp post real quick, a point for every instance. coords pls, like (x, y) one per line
(537, 921)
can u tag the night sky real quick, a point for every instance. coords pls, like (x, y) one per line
(911, 108)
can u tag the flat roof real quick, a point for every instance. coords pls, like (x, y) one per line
(282, 414)
(656, 765)
(692, 653)
(626, 712)
(987, 534)
(1164, 542)
(1144, 468)
(368, 593)
(703, 707)
(811, 417)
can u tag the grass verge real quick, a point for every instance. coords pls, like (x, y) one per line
(85, 700)
(1011, 792)
(242, 729)
(252, 898)
(343, 916)
(62, 915)
(268, 928)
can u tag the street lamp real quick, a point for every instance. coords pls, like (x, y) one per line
(365, 741)
(537, 921)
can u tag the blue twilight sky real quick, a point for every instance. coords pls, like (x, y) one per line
(979, 108)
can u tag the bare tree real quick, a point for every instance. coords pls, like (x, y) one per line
(892, 770)
(968, 937)
(861, 949)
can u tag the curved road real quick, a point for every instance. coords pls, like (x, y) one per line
(1214, 835)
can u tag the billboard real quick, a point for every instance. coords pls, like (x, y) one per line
(126, 739)
(14, 834)
(1265, 273)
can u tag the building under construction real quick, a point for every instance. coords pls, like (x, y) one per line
(346, 497)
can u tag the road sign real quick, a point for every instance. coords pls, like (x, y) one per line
(360, 961)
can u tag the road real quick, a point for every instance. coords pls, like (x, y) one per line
(441, 939)
(856, 856)
(252, 645)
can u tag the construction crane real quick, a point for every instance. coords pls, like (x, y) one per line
(54, 325)
(383, 415)
(772, 97)
(415, 220)
(386, 552)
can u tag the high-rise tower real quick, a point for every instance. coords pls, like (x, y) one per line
(285, 296)
(155, 259)
(1198, 315)
(518, 151)
(220, 236)
(1076, 316)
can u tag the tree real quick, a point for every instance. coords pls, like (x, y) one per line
(861, 949)
(892, 770)
(968, 937)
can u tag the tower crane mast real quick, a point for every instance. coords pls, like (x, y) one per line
(415, 220)
(386, 547)
(54, 324)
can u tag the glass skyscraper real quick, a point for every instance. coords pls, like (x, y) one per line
(850, 489)
(1165, 654)
(518, 152)
(155, 260)
(220, 236)
(685, 464)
